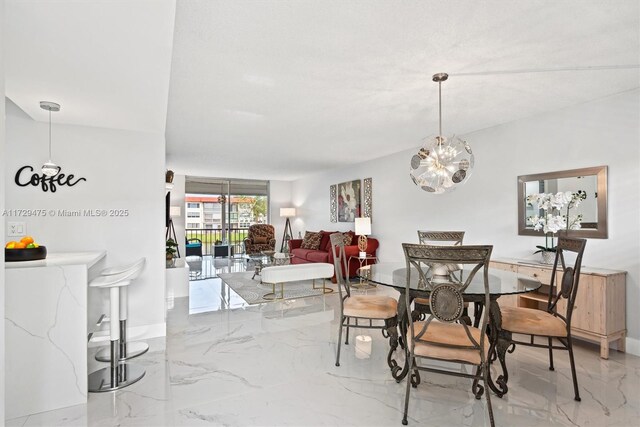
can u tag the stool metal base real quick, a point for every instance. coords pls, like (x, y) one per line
(127, 374)
(127, 351)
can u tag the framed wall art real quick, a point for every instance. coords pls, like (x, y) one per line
(349, 201)
(367, 202)
(333, 203)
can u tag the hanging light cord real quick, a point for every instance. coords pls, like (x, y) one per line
(439, 111)
(49, 134)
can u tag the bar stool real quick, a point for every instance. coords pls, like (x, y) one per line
(127, 350)
(118, 374)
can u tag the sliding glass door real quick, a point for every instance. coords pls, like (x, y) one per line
(220, 211)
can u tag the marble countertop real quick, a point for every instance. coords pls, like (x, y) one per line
(61, 258)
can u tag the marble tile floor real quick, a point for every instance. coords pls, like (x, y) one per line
(273, 365)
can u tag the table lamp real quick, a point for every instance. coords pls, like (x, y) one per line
(288, 234)
(363, 229)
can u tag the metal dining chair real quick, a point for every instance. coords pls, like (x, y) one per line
(437, 238)
(440, 238)
(551, 324)
(360, 308)
(442, 336)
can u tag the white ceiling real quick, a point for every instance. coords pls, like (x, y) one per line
(280, 89)
(106, 62)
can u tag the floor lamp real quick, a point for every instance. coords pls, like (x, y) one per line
(288, 234)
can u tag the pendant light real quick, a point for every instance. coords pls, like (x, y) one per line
(50, 168)
(443, 163)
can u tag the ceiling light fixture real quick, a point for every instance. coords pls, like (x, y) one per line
(50, 168)
(442, 164)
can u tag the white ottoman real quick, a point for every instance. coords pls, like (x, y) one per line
(282, 274)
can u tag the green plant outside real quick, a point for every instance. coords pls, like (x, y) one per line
(210, 237)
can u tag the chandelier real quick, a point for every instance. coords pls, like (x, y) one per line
(443, 163)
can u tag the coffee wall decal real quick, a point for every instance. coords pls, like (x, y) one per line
(47, 183)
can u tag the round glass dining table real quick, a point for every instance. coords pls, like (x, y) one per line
(501, 282)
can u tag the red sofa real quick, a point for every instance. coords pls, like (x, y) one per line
(325, 254)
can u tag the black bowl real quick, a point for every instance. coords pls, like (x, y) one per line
(31, 254)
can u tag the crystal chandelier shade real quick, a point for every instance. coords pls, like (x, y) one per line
(443, 163)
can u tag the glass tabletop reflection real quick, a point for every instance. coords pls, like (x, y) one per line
(501, 282)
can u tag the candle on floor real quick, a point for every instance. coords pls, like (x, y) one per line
(363, 346)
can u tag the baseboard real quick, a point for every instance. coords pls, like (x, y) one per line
(632, 346)
(136, 333)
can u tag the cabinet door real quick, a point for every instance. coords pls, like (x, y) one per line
(588, 311)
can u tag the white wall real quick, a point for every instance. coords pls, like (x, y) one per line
(280, 197)
(2, 205)
(603, 132)
(124, 170)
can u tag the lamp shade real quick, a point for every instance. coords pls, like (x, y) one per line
(287, 212)
(174, 211)
(363, 226)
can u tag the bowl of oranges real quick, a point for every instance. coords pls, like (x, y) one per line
(26, 249)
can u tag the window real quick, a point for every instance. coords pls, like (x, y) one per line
(193, 214)
(193, 205)
(193, 225)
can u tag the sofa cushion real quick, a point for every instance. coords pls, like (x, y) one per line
(325, 242)
(301, 253)
(311, 240)
(260, 240)
(318, 256)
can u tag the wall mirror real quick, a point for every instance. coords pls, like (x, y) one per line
(593, 181)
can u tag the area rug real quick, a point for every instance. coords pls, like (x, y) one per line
(252, 291)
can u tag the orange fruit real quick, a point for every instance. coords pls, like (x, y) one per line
(27, 239)
(20, 245)
(11, 245)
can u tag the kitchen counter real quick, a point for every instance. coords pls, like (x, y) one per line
(61, 258)
(46, 331)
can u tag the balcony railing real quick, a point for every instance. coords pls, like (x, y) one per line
(235, 238)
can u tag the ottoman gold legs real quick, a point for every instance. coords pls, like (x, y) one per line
(272, 295)
(325, 290)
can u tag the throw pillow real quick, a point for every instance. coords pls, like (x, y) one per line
(311, 240)
(348, 238)
(261, 240)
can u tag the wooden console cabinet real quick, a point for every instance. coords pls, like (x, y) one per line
(599, 313)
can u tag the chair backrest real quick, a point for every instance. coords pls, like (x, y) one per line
(440, 238)
(261, 230)
(446, 299)
(340, 264)
(120, 274)
(135, 266)
(568, 286)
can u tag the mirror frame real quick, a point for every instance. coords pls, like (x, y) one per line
(601, 176)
